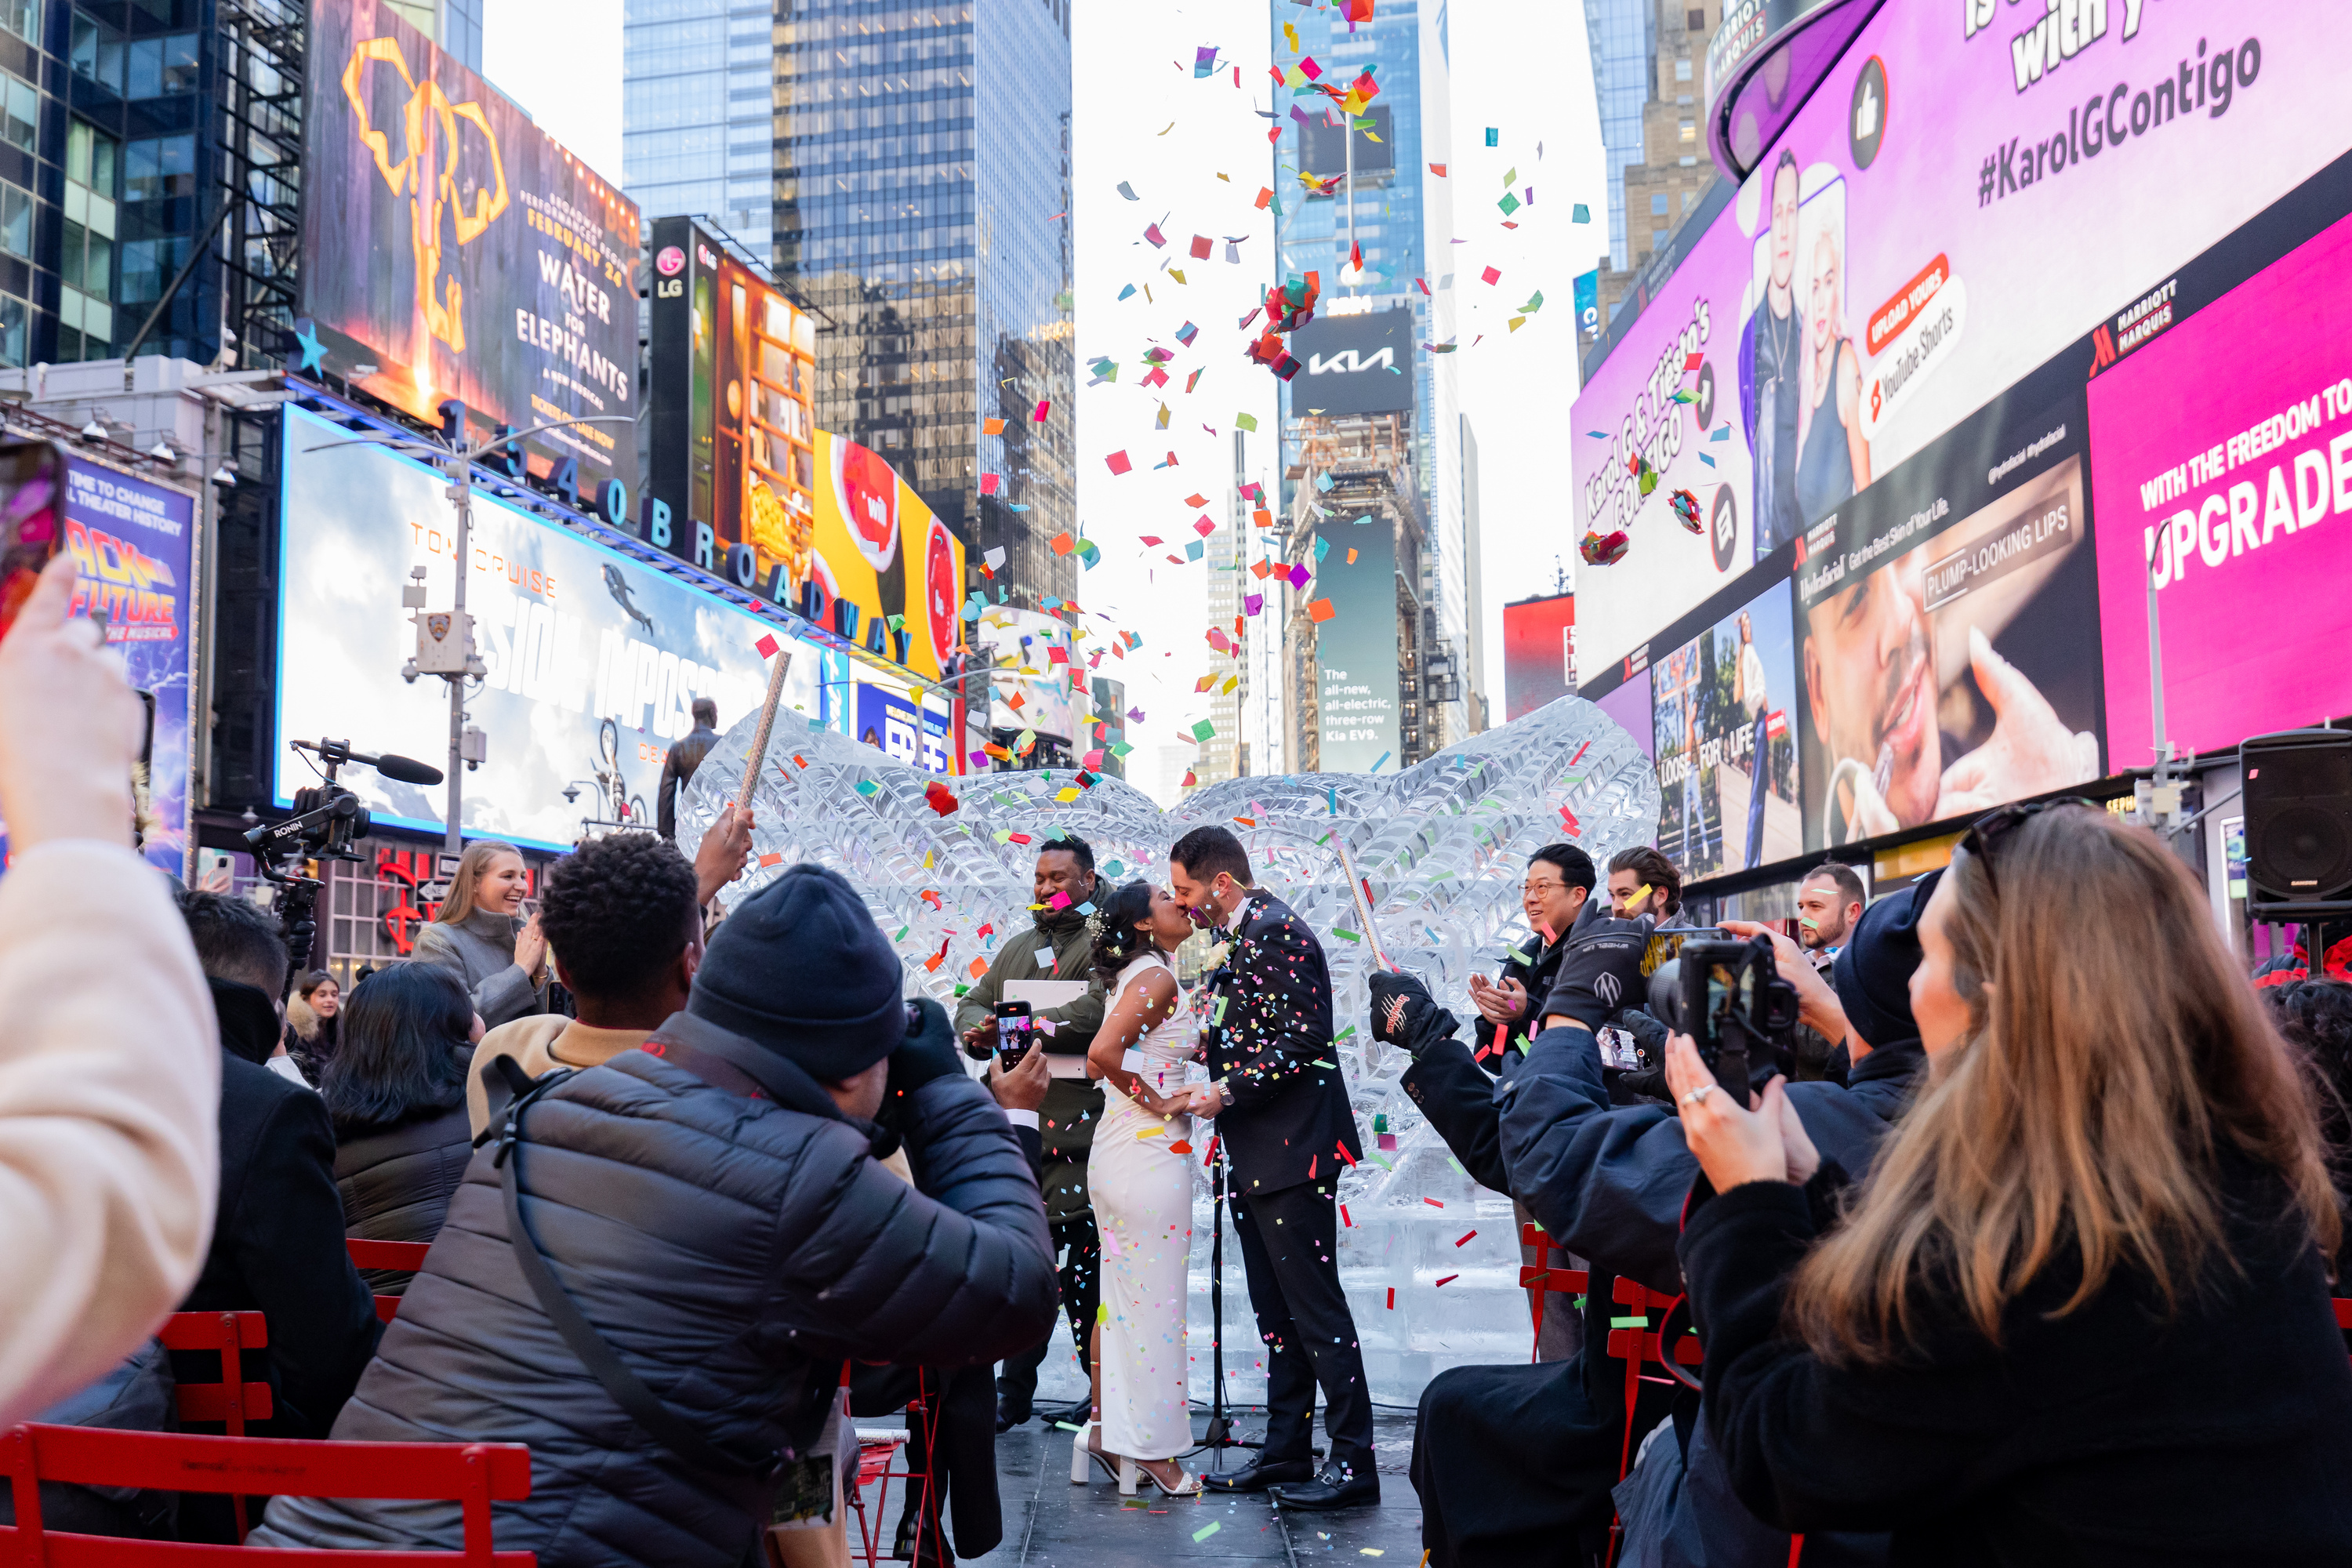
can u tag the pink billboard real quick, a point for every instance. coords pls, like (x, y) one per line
(2221, 462)
(1968, 192)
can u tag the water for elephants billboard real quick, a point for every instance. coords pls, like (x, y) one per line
(1962, 197)
(453, 249)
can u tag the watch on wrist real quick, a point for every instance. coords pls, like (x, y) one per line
(1224, 1091)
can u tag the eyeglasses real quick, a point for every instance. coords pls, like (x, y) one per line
(1989, 831)
(1533, 887)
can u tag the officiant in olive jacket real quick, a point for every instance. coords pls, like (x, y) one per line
(1056, 946)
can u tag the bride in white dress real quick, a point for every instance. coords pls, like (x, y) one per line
(1140, 1175)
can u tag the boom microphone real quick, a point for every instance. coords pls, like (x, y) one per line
(404, 770)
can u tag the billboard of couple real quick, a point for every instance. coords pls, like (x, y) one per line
(1800, 370)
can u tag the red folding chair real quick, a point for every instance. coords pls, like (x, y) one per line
(407, 1255)
(232, 1401)
(1541, 1279)
(474, 1475)
(877, 1447)
(1639, 1347)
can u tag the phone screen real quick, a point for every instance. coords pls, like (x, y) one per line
(1014, 1025)
(31, 487)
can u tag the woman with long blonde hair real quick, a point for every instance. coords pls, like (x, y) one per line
(2079, 1310)
(479, 933)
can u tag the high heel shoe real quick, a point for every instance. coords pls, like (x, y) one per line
(1085, 1455)
(1129, 1471)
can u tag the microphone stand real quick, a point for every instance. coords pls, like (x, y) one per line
(1219, 1432)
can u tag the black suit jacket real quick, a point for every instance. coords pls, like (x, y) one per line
(1268, 1033)
(278, 1239)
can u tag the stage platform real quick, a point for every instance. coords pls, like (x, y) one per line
(1050, 1523)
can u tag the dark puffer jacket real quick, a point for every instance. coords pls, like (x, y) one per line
(733, 1251)
(396, 1179)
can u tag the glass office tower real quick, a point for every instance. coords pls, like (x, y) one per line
(697, 125)
(921, 165)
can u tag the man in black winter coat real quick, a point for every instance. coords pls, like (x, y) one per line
(1453, 1084)
(278, 1238)
(711, 1217)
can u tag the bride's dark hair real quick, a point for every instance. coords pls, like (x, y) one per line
(1117, 942)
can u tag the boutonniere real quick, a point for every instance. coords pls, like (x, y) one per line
(1215, 958)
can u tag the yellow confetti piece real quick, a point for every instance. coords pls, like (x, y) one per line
(1150, 1132)
(1066, 797)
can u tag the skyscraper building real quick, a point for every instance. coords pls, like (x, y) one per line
(1621, 35)
(1659, 170)
(698, 122)
(1361, 204)
(455, 25)
(922, 166)
(1224, 755)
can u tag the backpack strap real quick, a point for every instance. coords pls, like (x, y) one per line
(643, 1406)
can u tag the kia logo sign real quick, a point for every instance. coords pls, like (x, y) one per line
(1349, 362)
(1355, 364)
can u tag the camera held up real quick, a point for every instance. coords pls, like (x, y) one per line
(1729, 998)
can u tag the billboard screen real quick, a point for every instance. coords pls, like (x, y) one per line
(135, 543)
(451, 248)
(1948, 631)
(1538, 653)
(1722, 710)
(594, 657)
(733, 454)
(1323, 151)
(1354, 364)
(881, 570)
(1356, 648)
(1029, 655)
(2221, 455)
(1890, 268)
(891, 721)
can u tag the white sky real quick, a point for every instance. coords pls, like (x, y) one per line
(1522, 69)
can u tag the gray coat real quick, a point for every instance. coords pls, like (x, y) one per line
(733, 1252)
(479, 950)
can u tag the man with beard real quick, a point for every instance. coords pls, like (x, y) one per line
(1057, 946)
(1870, 681)
(1829, 901)
(1771, 349)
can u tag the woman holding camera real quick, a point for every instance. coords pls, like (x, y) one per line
(2078, 1311)
(480, 934)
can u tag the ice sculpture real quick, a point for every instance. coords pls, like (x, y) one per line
(1443, 846)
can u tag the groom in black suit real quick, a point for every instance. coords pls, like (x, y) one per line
(1287, 1129)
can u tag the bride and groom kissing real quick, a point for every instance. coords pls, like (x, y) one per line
(1276, 1103)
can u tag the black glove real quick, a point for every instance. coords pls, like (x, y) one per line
(1421, 1023)
(1600, 972)
(928, 1052)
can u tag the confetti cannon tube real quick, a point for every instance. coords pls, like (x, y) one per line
(1363, 896)
(758, 752)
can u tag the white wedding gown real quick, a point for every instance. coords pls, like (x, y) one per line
(1143, 1194)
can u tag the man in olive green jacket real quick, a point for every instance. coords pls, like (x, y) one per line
(1056, 946)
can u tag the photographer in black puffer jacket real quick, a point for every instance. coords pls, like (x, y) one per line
(716, 1208)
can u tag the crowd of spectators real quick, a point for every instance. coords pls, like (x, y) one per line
(2019, 1249)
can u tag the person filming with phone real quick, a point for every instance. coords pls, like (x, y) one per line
(1041, 985)
(2078, 1310)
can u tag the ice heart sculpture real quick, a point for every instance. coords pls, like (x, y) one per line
(1443, 847)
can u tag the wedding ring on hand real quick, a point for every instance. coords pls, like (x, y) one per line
(1701, 1092)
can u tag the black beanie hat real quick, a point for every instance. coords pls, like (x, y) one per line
(1872, 975)
(800, 969)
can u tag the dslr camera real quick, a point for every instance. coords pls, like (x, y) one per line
(1727, 995)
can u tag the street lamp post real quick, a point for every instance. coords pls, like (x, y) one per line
(458, 663)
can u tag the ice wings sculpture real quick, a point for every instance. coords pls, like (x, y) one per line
(1443, 846)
